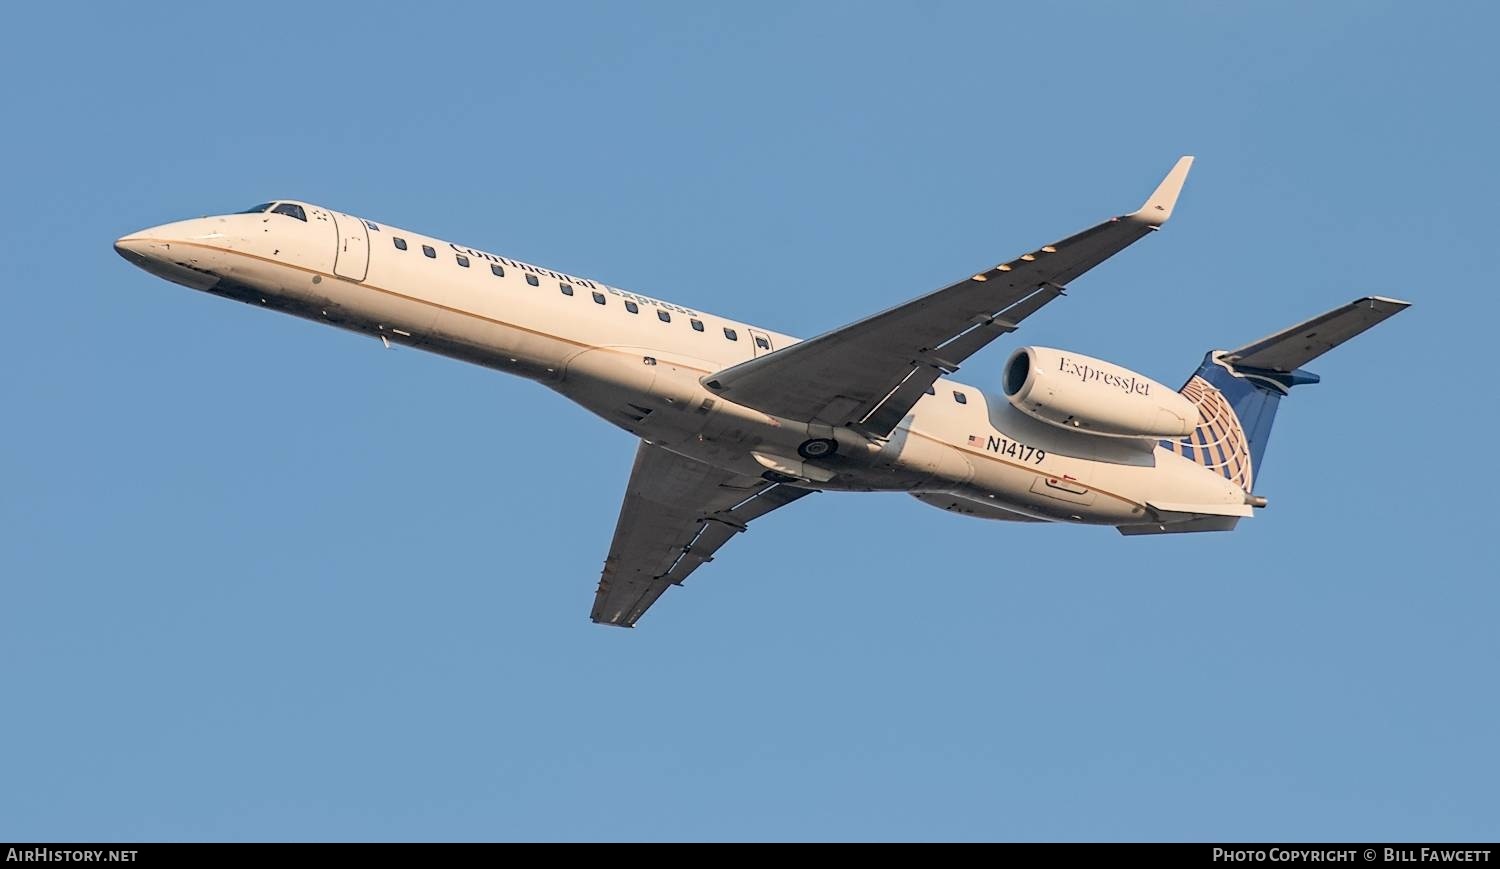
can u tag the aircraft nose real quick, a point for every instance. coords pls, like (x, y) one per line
(151, 250)
(138, 248)
(128, 245)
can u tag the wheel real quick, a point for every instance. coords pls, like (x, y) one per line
(818, 448)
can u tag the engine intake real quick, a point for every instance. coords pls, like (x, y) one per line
(1080, 393)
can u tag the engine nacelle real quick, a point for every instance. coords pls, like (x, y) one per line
(1084, 394)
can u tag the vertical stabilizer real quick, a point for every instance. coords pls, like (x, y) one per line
(1235, 413)
(1237, 391)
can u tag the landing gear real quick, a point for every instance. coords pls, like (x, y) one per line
(818, 448)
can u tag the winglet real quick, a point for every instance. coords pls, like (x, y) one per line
(1159, 207)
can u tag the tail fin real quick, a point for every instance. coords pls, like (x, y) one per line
(1237, 391)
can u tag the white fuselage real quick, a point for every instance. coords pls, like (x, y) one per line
(959, 448)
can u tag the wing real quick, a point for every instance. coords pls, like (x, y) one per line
(870, 373)
(676, 515)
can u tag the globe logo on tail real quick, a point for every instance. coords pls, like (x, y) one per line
(1219, 442)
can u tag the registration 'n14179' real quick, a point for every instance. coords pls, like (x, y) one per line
(1015, 450)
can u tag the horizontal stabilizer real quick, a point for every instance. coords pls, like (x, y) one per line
(1290, 349)
(1205, 523)
(1179, 510)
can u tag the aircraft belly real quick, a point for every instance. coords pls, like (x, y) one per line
(970, 507)
(372, 309)
(1097, 492)
(497, 345)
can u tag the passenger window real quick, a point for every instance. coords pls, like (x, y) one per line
(931, 391)
(428, 252)
(290, 210)
(531, 279)
(632, 307)
(731, 334)
(960, 397)
(462, 260)
(599, 298)
(372, 226)
(400, 243)
(497, 271)
(663, 316)
(762, 343)
(567, 289)
(697, 325)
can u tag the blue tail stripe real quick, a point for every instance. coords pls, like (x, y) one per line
(1254, 401)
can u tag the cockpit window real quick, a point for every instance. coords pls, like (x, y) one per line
(290, 210)
(264, 206)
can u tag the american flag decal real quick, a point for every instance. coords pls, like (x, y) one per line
(976, 441)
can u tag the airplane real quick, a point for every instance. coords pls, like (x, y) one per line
(736, 420)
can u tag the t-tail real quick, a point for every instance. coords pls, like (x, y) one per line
(1237, 391)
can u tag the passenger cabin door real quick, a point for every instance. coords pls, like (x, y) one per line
(353, 259)
(761, 342)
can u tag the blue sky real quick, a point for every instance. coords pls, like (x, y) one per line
(265, 580)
